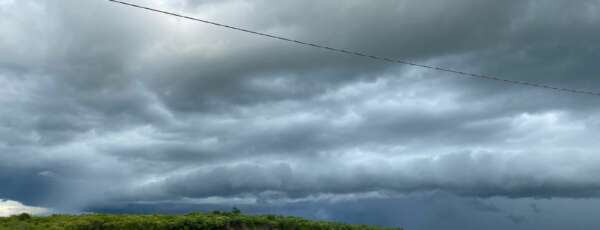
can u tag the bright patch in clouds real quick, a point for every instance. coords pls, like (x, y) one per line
(9, 207)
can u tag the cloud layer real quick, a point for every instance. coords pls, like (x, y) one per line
(106, 105)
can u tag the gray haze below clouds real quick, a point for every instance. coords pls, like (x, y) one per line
(105, 107)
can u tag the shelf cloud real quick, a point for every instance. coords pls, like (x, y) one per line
(108, 108)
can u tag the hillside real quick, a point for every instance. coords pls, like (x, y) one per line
(194, 221)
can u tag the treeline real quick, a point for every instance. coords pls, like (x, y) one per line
(194, 221)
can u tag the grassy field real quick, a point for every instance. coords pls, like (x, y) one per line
(194, 221)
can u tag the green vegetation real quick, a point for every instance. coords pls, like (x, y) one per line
(194, 221)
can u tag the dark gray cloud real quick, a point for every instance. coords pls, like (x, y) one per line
(107, 108)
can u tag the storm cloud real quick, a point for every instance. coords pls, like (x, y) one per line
(110, 108)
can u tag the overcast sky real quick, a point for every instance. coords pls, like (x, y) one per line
(107, 108)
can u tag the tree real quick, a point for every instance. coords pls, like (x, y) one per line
(24, 216)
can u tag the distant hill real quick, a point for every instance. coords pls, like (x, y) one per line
(194, 221)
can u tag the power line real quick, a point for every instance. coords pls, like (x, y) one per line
(365, 55)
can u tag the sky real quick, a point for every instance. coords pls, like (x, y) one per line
(110, 109)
